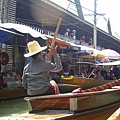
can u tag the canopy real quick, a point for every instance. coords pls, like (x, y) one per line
(111, 54)
(59, 41)
(98, 54)
(110, 63)
(12, 29)
(101, 64)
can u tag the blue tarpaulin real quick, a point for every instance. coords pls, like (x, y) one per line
(9, 30)
(5, 36)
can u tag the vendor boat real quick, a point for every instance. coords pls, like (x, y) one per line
(12, 93)
(87, 82)
(83, 82)
(93, 103)
(88, 104)
(7, 93)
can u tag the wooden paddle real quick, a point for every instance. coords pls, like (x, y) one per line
(55, 35)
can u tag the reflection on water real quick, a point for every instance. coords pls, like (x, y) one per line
(13, 106)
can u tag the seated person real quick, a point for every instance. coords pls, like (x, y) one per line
(89, 74)
(98, 75)
(2, 84)
(105, 75)
(36, 74)
(112, 76)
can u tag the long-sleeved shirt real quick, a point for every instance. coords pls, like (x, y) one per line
(36, 75)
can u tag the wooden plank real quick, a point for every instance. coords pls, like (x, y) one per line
(115, 115)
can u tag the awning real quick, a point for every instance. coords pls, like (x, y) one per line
(110, 63)
(22, 29)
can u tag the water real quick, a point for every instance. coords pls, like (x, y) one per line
(13, 106)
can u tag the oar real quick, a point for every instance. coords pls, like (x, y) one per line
(55, 35)
(92, 72)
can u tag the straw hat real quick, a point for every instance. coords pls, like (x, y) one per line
(34, 48)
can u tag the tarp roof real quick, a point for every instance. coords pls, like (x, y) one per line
(110, 63)
(22, 29)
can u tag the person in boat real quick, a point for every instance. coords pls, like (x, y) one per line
(36, 74)
(2, 84)
(98, 75)
(71, 70)
(65, 65)
(112, 76)
(89, 74)
(105, 75)
(116, 71)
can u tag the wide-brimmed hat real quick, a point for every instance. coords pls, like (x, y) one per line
(34, 48)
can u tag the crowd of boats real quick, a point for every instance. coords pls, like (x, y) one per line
(82, 96)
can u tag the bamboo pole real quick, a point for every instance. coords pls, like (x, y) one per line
(55, 35)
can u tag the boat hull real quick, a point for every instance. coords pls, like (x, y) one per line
(21, 92)
(85, 82)
(115, 115)
(12, 93)
(96, 114)
(80, 106)
(75, 102)
(88, 105)
(66, 88)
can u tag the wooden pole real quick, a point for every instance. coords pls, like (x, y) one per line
(95, 27)
(57, 29)
(55, 35)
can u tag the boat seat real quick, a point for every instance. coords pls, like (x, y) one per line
(109, 89)
(93, 89)
(87, 90)
(108, 86)
(111, 84)
(117, 82)
(98, 88)
(103, 87)
(116, 87)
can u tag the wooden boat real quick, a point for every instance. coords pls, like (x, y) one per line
(83, 82)
(21, 92)
(90, 104)
(65, 88)
(115, 115)
(12, 93)
(87, 82)
(94, 103)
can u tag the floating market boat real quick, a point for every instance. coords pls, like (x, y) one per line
(92, 103)
(65, 88)
(83, 82)
(87, 82)
(89, 104)
(21, 92)
(12, 93)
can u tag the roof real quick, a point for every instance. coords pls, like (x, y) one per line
(45, 14)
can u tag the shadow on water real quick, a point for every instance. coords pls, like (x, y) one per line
(13, 106)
